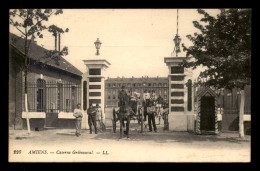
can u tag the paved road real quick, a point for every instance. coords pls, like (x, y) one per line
(62, 145)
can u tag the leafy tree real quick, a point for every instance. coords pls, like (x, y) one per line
(223, 47)
(30, 23)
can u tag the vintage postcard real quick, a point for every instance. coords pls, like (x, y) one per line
(129, 85)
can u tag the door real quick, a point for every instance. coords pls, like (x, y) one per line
(207, 115)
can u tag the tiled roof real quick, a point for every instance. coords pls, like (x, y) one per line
(37, 53)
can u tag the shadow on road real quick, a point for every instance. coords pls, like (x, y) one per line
(67, 134)
(166, 137)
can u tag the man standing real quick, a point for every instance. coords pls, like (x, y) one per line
(123, 98)
(151, 116)
(146, 98)
(133, 100)
(78, 114)
(92, 112)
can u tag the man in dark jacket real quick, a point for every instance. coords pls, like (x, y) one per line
(123, 99)
(92, 112)
(151, 116)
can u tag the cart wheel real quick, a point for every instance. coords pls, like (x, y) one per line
(114, 120)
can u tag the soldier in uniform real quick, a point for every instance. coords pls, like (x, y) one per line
(92, 112)
(123, 98)
(151, 116)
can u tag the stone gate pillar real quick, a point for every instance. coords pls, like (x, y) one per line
(181, 118)
(96, 81)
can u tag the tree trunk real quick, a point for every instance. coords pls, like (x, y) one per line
(241, 115)
(26, 49)
(27, 114)
(26, 103)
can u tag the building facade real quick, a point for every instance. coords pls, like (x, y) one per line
(54, 88)
(113, 85)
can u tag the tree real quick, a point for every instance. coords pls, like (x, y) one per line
(30, 23)
(223, 47)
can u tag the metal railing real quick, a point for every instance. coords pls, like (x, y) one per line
(53, 96)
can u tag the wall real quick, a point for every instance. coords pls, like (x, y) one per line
(15, 91)
(11, 95)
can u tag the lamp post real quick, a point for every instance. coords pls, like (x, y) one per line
(177, 41)
(97, 44)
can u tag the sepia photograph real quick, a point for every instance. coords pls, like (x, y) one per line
(130, 85)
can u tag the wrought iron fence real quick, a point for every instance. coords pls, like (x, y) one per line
(53, 96)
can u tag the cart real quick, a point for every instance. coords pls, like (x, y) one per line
(139, 116)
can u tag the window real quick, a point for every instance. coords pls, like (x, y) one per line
(177, 78)
(67, 105)
(114, 85)
(93, 79)
(95, 101)
(108, 97)
(177, 70)
(154, 84)
(94, 71)
(177, 93)
(41, 95)
(114, 97)
(159, 84)
(94, 93)
(73, 97)
(177, 86)
(149, 84)
(94, 86)
(108, 85)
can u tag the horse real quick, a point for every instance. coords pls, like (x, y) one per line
(124, 114)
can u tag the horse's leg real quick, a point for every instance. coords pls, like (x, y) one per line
(127, 126)
(121, 126)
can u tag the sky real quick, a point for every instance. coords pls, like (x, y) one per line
(134, 41)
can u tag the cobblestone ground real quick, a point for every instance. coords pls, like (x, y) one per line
(62, 146)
